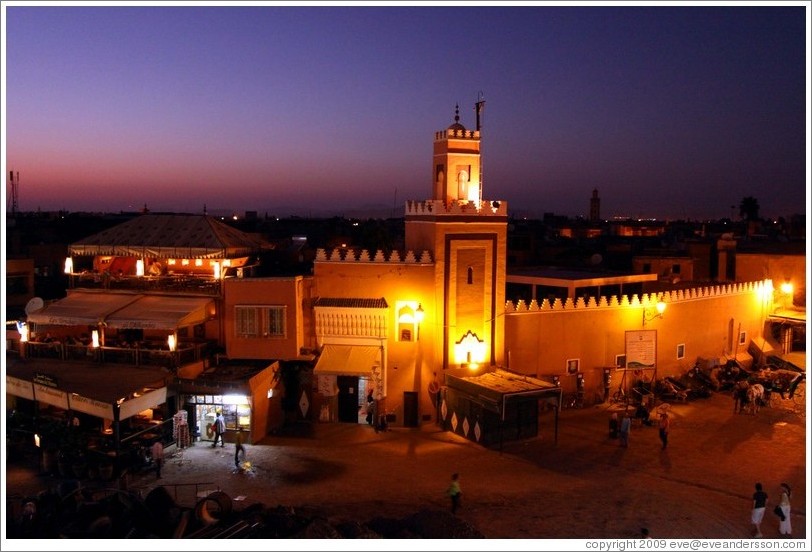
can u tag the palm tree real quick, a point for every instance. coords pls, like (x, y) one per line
(748, 208)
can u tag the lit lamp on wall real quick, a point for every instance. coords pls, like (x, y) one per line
(419, 314)
(657, 312)
(139, 267)
(172, 341)
(22, 329)
(68, 265)
(95, 338)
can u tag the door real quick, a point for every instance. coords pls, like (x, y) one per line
(348, 400)
(410, 409)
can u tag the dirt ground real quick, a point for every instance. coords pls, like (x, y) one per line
(584, 486)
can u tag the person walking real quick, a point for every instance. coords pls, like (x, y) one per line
(625, 428)
(613, 425)
(370, 407)
(219, 429)
(238, 447)
(759, 505)
(785, 525)
(454, 492)
(665, 427)
(158, 457)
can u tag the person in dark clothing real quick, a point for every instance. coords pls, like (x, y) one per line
(757, 513)
(643, 414)
(454, 492)
(370, 407)
(614, 426)
(219, 428)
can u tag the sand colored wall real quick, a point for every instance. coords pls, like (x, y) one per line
(410, 365)
(539, 339)
(290, 292)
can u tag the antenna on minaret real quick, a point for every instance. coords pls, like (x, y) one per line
(15, 183)
(479, 107)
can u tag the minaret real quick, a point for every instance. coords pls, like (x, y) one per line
(467, 239)
(456, 162)
(595, 207)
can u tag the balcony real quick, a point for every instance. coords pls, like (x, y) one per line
(171, 283)
(147, 353)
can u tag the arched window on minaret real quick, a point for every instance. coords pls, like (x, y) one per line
(462, 184)
(439, 183)
(470, 275)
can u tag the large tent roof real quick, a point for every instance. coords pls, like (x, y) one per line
(171, 236)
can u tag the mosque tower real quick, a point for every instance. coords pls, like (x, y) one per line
(467, 238)
(595, 207)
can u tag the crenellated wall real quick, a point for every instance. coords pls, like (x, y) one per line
(712, 322)
(362, 256)
(456, 133)
(434, 207)
(646, 300)
(541, 338)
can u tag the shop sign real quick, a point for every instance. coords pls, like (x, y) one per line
(49, 395)
(45, 379)
(91, 406)
(19, 388)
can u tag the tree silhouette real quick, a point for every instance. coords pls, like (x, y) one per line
(748, 208)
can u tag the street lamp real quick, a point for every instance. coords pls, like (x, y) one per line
(660, 309)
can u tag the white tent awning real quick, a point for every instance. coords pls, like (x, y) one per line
(348, 360)
(81, 308)
(154, 312)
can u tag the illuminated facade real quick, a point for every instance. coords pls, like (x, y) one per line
(403, 324)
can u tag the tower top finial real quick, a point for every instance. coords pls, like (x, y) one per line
(457, 113)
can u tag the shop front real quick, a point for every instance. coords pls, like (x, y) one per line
(246, 394)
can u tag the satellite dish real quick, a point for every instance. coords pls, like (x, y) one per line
(34, 305)
(596, 259)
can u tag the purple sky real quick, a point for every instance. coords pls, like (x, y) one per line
(670, 112)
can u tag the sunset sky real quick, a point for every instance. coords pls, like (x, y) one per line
(670, 112)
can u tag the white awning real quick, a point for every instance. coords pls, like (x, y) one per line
(81, 309)
(162, 312)
(348, 360)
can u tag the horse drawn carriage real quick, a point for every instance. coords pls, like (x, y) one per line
(771, 386)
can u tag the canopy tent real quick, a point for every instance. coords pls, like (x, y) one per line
(125, 311)
(349, 360)
(170, 236)
(77, 386)
(162, 312)
(81, 309)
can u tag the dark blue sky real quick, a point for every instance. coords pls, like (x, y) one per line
(670, 112)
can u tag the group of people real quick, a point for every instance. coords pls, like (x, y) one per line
(619, 428)
(782, 509)
(219, 429)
